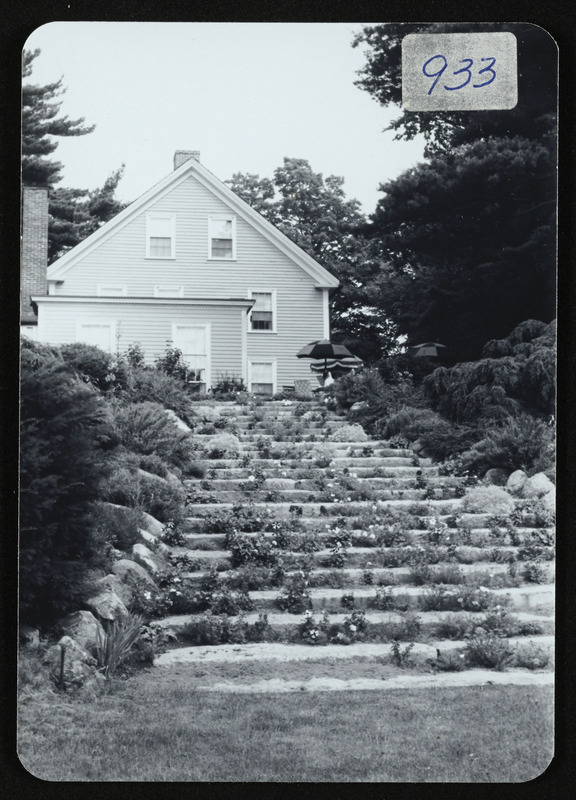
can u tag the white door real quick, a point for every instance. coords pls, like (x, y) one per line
(194, 342)
(98, 333)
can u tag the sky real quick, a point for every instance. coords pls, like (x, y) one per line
(245, 95)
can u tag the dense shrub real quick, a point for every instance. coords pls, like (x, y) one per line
(137, 489)
(223, 445)
(523, 442)
(348, 433)
(117, 525)
(100, 368)
(488, 500)
(152, 385)
(64, 438)
(147, 429)
(514, 374)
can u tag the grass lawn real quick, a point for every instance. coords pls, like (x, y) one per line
(159, 730)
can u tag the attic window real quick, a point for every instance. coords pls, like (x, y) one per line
(160, 236)
(222, 237)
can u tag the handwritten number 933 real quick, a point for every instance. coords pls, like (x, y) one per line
(465, 71)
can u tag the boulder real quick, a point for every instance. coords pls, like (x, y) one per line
(107, 605)
(29, 637)
(549, 500)
(153, 542)
(496, 477)
(180, 424)
(151, 524)
(120, 589)
(80, 669)
(83, 627)
(132, 573)
(143, 556)
(516, 482)
(541, 484)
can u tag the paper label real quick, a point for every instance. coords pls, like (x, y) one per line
(459, 71)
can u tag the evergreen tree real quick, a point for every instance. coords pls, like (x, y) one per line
(467, 240)
(74, 213)
(41, 122)
(64, 436)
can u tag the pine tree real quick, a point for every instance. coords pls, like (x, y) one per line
(74, 213)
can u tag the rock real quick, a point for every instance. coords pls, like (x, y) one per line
(107, 605)
(29, 637)
(180, 424)
(359, 406)
(80, 668)
(143, 556)
(417, 446)
(121, 589)
(83, 627)
(496, 477)
(132, 573)
(151, 524)
(516, 482)
(541, 484)
(549, 500)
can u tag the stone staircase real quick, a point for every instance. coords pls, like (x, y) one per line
(351, 553)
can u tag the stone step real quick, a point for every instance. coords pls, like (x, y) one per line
(337, 464)
(354, 508)
(478, 573)
(284, 622)
(522, 598)
(401, 482)
(220, 469)
(271, 496)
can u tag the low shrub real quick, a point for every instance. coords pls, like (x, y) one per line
(348, 433)
(488, 500)
(520, 442)
(101, 369)
(464, 598)
(452, 661)
(401, 657)
(227, 387)
(136, 489)
(489, 652)
(295, 597)
(117, 525)
(531, 656)
(146, 384)
(456, 626)
(223, 445)
(213, 629)
(146, 429)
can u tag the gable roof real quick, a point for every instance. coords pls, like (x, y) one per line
(323, 278)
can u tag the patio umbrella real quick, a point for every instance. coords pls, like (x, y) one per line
(352, 362)
(425, 349)
(324, 349)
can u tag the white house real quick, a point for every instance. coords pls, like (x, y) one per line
(191, 264)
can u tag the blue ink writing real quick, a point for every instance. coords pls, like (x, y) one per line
(469, 62)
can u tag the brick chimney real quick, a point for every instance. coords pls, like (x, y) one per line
(34, 249)
(181, 156)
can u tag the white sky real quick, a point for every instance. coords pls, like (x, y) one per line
(244, 94)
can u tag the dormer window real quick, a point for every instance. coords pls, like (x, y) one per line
(160, 236)
(222, 237)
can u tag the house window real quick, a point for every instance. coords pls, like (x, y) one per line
(262, 315)
(160, 236)
(168, 291)
(111, 290)
(194, 343)
(99, 333)
(222, 237)
(262, 377)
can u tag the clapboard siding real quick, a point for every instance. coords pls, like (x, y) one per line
(151, 327)
(117, 255)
